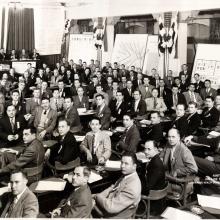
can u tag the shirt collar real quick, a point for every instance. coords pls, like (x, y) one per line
(19, 195)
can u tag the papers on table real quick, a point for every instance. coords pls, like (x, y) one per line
(214, 134)
(47, 185)
(144, 121)
(120, 129)
(209, 201)
(79, 138)
(4, 190)
(141, 157)
(172, 213)
(94, 177)
(9, 150)
(113, 165)
(81, 110)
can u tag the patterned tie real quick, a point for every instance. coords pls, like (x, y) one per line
(12, 124)
(11, 207)
(155, 103)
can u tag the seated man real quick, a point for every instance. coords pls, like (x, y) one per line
(154, 130)
(96, 144)
(11, 127)
(121, 199)
(193, 118)
(154, 178)
(131, 137)
(57, 102)
(81, 100)
(20, 202)
(72, 116)
(44, 119)
(31, 159)
(67, 149)
(180, 122)
(79, 203)
(103, 112)
(210, 115)
(138, 105)
(178, 159)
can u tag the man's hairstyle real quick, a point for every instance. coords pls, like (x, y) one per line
(32, 129)
(193, 103)
(137, 90)
(120, 91)
(196, 74)
(69, 97)
(60, 80)
(210, 97)
(130, 115)
(10, 106)
(86, 171)
(207, 80)
(24, 174)
(15, 91)
(153, 142)
(63, 119)
(132, 155)
(175, 129)
(146, 77)
(155, 89)
(100, 95)
(191, 84)
(45, 98)
(99, 85)
(95, 118)
(182, 105)
(174, 86)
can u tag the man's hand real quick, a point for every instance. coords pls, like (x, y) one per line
(101, 160)
(210, 158)
(42, 134)
(11, 137)
(89, 156)
(47, 154)
(55, 212)
(27, 117)
(16, 137)
(55, 133)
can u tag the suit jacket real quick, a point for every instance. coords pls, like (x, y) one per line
(212, 92)
(78, 204)
(130, 139)
(141, 108)
(26, 207)
(6, 129)
(103, 144)
(66, 150)
(154, 132)
(198, 98)
(54, 81)
(194, 121)
(119, 112)
(169, 100)
(104, 116)
(183, 161)
(31, 160)
(145, 94)
(210, 117)
(51, 119)
(199, 86)
(127, 97)
(155, 175)
(169, 82)
(20, 107)
(31, 106)
(181, 124)
(160, 106)
(84, 103)
(72, 117)
(121, 199)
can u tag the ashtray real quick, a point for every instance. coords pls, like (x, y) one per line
(196, 209)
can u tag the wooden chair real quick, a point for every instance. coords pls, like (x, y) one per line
(146, 200)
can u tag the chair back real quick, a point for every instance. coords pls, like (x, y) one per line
(68, 166)
(158, 194)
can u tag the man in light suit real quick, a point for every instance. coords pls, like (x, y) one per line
(44, 119)
(178, 159)
(31, 159)
(103, 112)
(192, 96)
(81, 100)
(11, 127)
(130, 139)
(79, 203)
(121, 199)
(207, 91)
(21, 202)
(97, 144)
(146, 88)
(155, 103)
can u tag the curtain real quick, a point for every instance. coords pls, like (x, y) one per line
(20, 29)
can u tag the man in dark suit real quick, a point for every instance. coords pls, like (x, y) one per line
(138, 106)
(92, 87)
(118, 108)
(67, 148)
(130, 139)
(72, 116)
(79, 202)
(186, 73)
(11, 128)
(64, 92)
(193, 118)
(210, 114)
(198, 83)
(154, 178)
(208, 91)
(180, 121)
(31, 159)
(103, 112)
(81, 100)
(128, 93)
(21, 202)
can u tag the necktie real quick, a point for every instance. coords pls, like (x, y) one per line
(124, 135)
(175, 100)
(117, 105)
(11, 207)
(155, 103)
(93, 144)
(12, 124)
(56, 103)
(45, 112)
